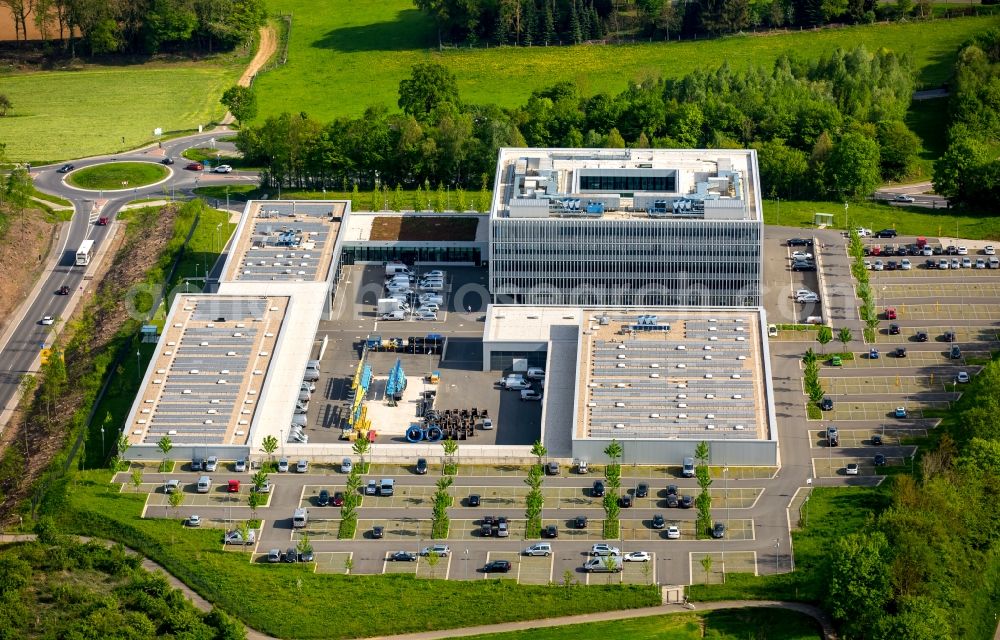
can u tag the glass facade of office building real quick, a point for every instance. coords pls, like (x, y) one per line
(626, 262)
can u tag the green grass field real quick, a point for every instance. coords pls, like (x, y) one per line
(335, 46)
(726, 624)
(61, 115)
(877, 215)
(117, 175)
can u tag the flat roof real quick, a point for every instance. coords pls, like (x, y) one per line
(203, 384)
(285, 240)
(648, 184)
(664, 373)
(417, 228)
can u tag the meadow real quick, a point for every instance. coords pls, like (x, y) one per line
(336, 46)
(61, 115)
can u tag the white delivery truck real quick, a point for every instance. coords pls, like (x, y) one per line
(388, 305)
(83, 253)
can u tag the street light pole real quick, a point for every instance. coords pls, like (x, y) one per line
(777, 545)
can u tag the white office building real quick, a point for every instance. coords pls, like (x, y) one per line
(626, 227)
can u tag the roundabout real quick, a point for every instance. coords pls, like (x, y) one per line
(118, 176)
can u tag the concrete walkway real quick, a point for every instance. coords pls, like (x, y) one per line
(810, 610)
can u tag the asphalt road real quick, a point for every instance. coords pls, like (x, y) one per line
(22, 346)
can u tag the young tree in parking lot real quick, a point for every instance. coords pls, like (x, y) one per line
(845, 336)
(647, 571)
(809, 356)
(706, 566)
(176, 499)
(361, 447)
(702, 452)
(432, 559)
(704, 499)
(610, 562)
(245, 533)
(165, 446)
(270, 445)
(539, 451)
(137, 479)
(259, 479)
(255, 500)
(824, 335)
(450, 451)
(304, 546)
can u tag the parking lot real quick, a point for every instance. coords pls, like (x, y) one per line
(836, 467)
(852, 438)
(847, 410)
(858, 385)
(721, 564)
(462, 384)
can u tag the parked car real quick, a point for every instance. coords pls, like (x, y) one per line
(552, 468)
(890, 313)
(474, 500)
(949, 336)
(893, 329)
(826, 404)
(302, 466)
(673, 533)
(539, 549)
(283, 465)
(233, 486)
(799, 242)
(832, 436)
(550, 531)
(687, 467)
(886, 233)
(274, 555)
(338, 498)
(371, 488)
(836, 361)
(597, 490)
(236, 537)
(580, 522)
(673, 501)
(378, 532)
(194, 520)
(240, 466)
(880, 460)
(172, 486)
(402, 556)
(604, 549)
(323, 499)
(641, 490)
(530, 395)
(262, 488)
(955, 352)
(719, 530)
(212, 463)
(625, 501)
(307, 555)
(687, 502)
(962, 377)
(658, 521)
(441, 550)
(497, 566)
(421, 467)
(900, 352)
(877, 440)
(920, 336)
(852, 469)
(900, 412)
(637, 556)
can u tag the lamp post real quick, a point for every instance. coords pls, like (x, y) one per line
(102, 441)
(777, 545)
(466, 564)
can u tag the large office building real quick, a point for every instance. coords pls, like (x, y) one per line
(626, 227)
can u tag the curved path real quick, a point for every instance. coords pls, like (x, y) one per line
(268, 45)
(812, 611)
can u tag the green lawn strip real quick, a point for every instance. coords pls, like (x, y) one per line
(117, 175)
(336, 45)
(61, 115)
(797, 327)
(875, 215)
(284, 600)
(364, 201)
(832, 513)
(48, 197)
(722, 625)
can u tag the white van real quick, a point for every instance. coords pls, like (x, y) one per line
(300, 518)
(603, 565)
(393, 269)
(772, 331)
(204, 484)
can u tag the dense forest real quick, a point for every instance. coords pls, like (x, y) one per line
(928, 567)
(826, 128)
(59, 588)
(969, 171)
(550, 22)
(140, 26)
